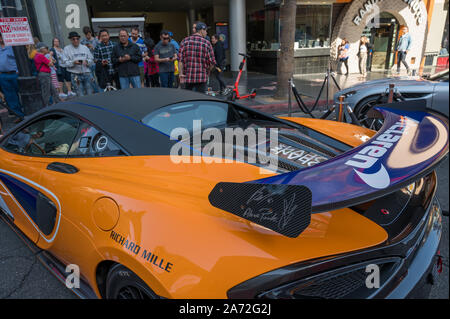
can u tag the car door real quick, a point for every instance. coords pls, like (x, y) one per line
(440, 99)
(25, 155)
(76, 182)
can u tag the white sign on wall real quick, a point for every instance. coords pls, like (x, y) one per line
(73, 16)
(16, 31)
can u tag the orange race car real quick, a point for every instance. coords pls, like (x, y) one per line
(122, 185)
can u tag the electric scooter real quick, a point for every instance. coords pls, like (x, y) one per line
(235, 94)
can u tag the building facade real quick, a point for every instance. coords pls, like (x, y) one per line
(254, 26)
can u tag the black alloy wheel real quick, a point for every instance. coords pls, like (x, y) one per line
(122, 283)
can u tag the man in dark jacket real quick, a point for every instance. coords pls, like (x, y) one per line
(219, 53)
(127, 56)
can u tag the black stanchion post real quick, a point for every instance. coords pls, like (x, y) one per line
(29, 90)
(290, 97)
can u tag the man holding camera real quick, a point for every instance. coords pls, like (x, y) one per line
(79, 60)
(127, 56)
(165, 55)
(106, 72)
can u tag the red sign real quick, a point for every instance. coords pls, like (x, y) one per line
(16, 31)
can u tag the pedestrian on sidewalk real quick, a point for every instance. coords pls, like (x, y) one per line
(78, 62)
(106, 72)
(403, 47)
(139, 41)
(196, 59)
(44, 65)
(165, 55)
(362, 55)
(343, 56)
(8, 78)
(151, 67)
(127, 56)
(219, 54)
(91, 42)
(63, 75)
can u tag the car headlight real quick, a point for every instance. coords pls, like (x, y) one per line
(349, 94)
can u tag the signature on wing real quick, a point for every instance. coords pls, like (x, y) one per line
(260, 208)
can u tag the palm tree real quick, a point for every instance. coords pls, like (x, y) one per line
(285, 70)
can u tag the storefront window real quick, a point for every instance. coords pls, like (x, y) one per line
(312, 26)
(263, 29)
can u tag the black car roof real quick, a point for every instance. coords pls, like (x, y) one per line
(119, 115)
(138, 103)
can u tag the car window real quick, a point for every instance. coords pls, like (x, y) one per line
(183, 115)
(90, 142)
(51, 136)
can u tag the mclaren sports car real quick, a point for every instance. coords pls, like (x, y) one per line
(122, 186)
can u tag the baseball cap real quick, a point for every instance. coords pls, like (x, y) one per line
(41, 45)
(201, 26)
(74, 34)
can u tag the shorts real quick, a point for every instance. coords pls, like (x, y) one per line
(65, 76)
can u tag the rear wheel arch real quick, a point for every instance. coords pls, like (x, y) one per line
(106, 267)
(122, 283)
(101, 274)
(364, 101)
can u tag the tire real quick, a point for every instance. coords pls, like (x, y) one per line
(122, 283)
(361, 111)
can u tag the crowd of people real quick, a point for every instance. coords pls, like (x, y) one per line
(95, 63)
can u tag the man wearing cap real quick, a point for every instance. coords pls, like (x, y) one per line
(8, 78)
(79, 60)
(43, 66)
(196, 59)
(174, 42)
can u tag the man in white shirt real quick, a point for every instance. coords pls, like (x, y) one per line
(78, 61)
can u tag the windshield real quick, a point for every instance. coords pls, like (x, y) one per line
(183, 115)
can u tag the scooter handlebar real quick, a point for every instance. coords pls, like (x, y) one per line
(245, 55)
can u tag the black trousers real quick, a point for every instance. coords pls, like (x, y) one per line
(152, 80)
(401, 58)
(219, 78)
(197, 87)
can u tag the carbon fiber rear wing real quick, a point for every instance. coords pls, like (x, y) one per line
(409, 146)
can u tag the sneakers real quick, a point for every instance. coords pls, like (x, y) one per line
(71, 94)
(226, 92)
(62, 96)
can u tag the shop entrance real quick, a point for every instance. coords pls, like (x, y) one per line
(383, 39)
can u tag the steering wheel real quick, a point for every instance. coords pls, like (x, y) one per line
(37, 146)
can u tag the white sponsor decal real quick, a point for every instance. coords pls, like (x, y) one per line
(369, 156)
(304, 158)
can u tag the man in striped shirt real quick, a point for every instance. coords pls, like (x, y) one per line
(196, 59)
